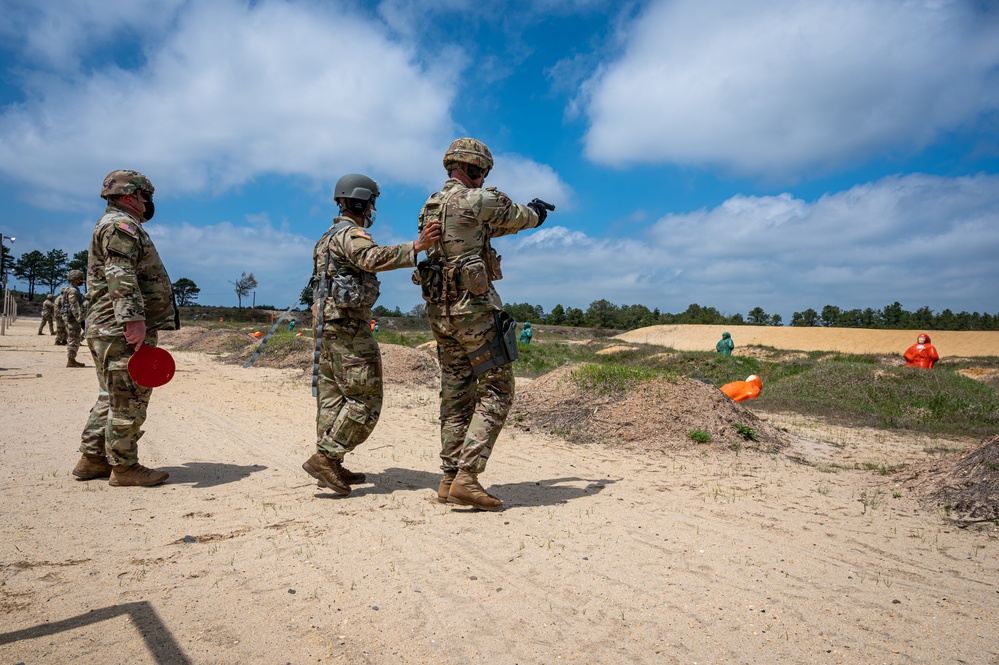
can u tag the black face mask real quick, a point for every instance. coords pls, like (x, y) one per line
(150, 209)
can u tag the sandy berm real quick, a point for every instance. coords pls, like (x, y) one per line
(687, 553)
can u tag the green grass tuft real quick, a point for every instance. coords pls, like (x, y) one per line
(604, 379)
(699, 435)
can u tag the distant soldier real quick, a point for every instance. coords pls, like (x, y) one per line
(725, 344)
(48, 313)
(131, 300)
(73, 313)
(60, 321)
(349, 364)
(476, 339)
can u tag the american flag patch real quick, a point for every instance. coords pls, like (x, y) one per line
(362, 234)
(127, 228)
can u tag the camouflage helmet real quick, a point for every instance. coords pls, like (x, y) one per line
(355, 186)
(124, 183)
(75, 276)
(50, 297)
(468, 151)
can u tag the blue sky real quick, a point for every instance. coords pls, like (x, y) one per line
(784, 154)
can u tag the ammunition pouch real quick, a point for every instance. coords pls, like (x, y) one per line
(429, 276)
(474, 276)
(499, 350)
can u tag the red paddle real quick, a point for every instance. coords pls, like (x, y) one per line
(151, 366)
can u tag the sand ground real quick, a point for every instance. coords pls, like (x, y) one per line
(604, 555)
(844, 340)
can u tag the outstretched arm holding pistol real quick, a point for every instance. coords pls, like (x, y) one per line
(542, 208)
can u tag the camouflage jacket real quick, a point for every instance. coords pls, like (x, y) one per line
(59, 302)
(469, 219)
(126, 280)
(48, 307)
(347, 256)
(72, 305)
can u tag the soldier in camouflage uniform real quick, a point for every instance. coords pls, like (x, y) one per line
(48, 312)
(130, 299)
(457, 281)
(73, 313)
(349, 364)
(60, 320)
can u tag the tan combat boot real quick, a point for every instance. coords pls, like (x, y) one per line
(346, 475)
(466, 491)
(136, 475)
(321, 468)
(72, 362)
(445, 486)
(92, 466)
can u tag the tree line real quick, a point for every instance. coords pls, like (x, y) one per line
(37, 269)
(49, 270)
(605, 314)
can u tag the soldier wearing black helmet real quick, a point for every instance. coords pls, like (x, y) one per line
(130, 299)
(476, 340)
(347, 378)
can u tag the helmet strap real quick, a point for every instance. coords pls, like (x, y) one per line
(357, 210)
(460, 172)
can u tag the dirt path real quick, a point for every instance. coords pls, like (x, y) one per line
(603, 555)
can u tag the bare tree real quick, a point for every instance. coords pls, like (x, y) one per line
(244, 285)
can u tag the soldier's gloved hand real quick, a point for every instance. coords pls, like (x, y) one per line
(540, 209)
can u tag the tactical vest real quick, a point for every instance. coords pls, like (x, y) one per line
(347, 287)
(446, 279)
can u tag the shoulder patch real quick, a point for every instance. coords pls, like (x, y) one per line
(126, 227)
(361, 233)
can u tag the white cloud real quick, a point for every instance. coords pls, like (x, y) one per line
(216, 254)
(284, 88)
(58, 35)
(771, 88)
(921, 240)
(524, 179)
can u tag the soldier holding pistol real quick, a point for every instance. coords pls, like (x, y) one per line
(476, 339)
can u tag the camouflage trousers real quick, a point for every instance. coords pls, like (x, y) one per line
(60, 329)
(74, 337)
(115, 422)
(349, 390)
(46, 319)
(473, 408)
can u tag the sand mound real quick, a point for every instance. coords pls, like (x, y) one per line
(401, 365)
(654, 415)
(613, 350)
(407, 366)
(206, 340)
(966, 486)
